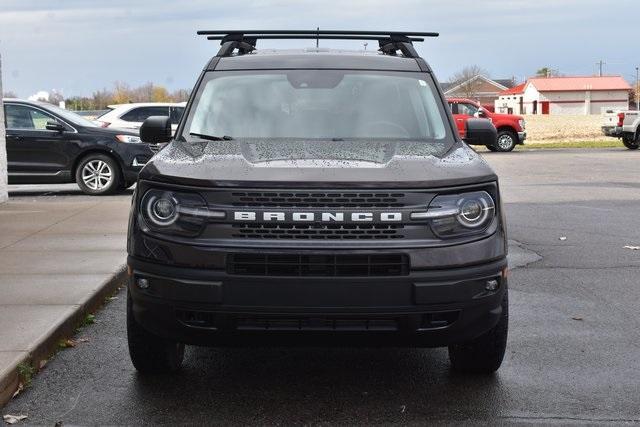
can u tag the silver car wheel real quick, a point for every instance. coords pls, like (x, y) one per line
(97, 175)
(505, 141)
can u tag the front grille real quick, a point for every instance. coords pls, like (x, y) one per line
(318, 200)
(317, 265)
(317, 231)
(314, 324)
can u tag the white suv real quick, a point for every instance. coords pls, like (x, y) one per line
(131, 116)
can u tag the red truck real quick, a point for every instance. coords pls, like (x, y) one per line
(511, 128)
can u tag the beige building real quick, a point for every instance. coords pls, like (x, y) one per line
(478, 88)
(565, 95)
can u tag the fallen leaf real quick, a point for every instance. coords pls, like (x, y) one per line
(43, 363)
(403, 408)
(82, 340)
(68, 343)
(563, 238)
(633, 248)
(18, 391)
(13, 419)
(577, 318)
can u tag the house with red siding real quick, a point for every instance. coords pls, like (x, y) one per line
(565, 95)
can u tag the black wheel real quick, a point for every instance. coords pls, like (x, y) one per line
(484, 354)
(492, 148)
(98, 174)
(151, 354)
(506, 141)
(631, 143)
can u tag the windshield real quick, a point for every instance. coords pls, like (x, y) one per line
(317, 104)
(71, 117)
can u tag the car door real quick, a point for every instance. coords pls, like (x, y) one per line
(135, 117)
(463, 111)
(34, 153)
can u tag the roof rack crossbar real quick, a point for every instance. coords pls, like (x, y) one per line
(244, 41)
(313, 37)
(320, 32)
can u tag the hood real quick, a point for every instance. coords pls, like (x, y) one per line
(110, 131)
(313, 164)
(506, 116)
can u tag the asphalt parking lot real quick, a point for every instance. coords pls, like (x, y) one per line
(573, 353)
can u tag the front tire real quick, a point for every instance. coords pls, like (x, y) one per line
(506, 141)
(484, 354)
(98, 174)
(631, 143)
(151, 354)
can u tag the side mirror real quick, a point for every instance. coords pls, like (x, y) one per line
(480, 132)
(480, 113)
(55, 126)
(156, 130)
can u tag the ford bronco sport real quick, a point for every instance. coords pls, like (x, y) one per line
(317, 197)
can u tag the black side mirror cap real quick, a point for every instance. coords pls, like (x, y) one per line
(156, 130)
(480, 132)
(55, 126)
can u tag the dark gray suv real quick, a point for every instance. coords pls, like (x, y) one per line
(317, 197)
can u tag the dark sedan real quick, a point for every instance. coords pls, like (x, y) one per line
(47, 144)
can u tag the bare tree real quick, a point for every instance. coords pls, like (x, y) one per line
(467, 80)
(9, 94)
(55, 97)
(547, 72)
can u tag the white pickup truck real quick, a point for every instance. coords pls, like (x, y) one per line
(624, 125)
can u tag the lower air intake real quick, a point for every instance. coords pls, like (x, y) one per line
(318, 265)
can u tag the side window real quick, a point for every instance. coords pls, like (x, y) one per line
(453, 107)
(140, 114)
(467, 109)
(24, 117)
(176, 113)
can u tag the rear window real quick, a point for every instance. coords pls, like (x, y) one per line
(140, 114)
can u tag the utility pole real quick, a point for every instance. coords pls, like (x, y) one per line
(3, 151)
(637, 88)
(600, 64)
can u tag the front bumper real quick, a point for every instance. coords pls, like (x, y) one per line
(134, 157)
(425, 308)
(521, 137)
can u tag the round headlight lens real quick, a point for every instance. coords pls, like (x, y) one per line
(162, 211)
(474, 211)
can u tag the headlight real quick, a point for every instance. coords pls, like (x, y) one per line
(458, 215)
(129, 139)
(173, 212)
(522, 123)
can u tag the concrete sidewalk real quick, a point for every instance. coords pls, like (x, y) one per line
(60, 256)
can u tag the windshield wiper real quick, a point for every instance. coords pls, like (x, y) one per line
(211, 137)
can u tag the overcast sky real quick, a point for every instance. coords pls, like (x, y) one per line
(78, 46)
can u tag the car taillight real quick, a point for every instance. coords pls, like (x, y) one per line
(620, 119)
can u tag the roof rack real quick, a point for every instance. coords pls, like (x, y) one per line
(244, 41)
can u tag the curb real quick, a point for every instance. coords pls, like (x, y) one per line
(46, 346)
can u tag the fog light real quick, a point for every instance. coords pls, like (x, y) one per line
(143, 283)
(492, 285)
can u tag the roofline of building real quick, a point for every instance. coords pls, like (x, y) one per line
(487, 79)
